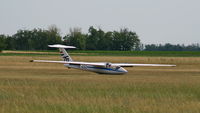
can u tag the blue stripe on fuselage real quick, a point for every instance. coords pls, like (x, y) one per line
(109, 69)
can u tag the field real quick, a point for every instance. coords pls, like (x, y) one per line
(107, 53)
(27, 87)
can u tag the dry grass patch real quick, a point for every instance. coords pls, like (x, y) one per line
(42, 87)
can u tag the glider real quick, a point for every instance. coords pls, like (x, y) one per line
(97, 67)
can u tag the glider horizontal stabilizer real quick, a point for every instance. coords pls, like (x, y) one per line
(62, 46)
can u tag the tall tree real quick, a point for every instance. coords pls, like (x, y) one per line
(125, 40)
(22, 37)
(92, 39)
(97, 39)
(39, 39)
(10, 43)
(54, 36)
(76, 38)
(107, 41)
(2, 42)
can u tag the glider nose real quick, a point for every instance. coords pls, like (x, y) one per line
(124, 70)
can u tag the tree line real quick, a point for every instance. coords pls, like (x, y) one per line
(171, 47)
(36, 39)
(95, 39)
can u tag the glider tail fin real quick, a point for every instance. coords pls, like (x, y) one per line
(63, 52)
(65, 55)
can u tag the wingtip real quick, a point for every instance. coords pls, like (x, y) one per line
(31, 61)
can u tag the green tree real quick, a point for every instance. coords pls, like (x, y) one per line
(92, 39)
(76, 38)
(39, 39)
(10, 43)
(36, 39)
(98, 39)
(54, 36)
(117, 41)
(125, 40)
(21, 38)
(107, 41)
(2, 42)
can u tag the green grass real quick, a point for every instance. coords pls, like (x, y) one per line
(110, 53)
(142, 53)
(82, 95)
(27, 54)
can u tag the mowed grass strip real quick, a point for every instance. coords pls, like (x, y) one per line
(52, 88)
(105, 53)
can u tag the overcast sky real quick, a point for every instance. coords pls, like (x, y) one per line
(155, 21)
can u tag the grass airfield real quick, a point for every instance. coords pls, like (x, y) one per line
(27, 87)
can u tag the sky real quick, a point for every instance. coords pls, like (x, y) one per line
(155, 21)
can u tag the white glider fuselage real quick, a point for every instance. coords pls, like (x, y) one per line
(100, 70)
